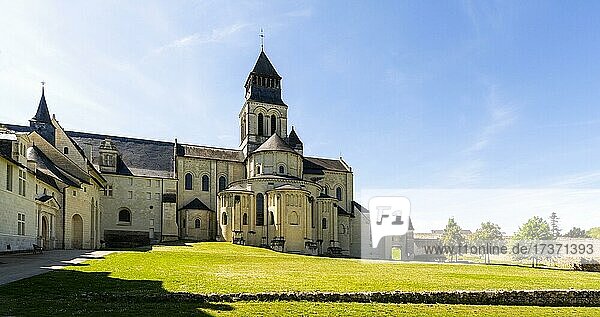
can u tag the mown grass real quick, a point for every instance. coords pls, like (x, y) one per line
(227, 268)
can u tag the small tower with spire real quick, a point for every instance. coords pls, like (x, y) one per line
(294, 142)
(42, 122)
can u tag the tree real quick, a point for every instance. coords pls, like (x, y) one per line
(576, 232)
(594, 233)
(554, 227)
(535, 228)
(489, 232)
(452, 236)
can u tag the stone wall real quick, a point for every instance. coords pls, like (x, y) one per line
(12, 204)
(552, 298)
(588, 267)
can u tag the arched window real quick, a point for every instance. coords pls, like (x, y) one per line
(338, 193)
(273, 124)
(272, 220)
(281, 169)
(245, 219)
(189, 181)
(293, 218)
(260, 210)
(197, 223)
(124, 215)
(326, 190)
(324, 223)
(342, 228)
(222, 183)
(66, 150)
(205, 183)
(258, 169)
(260, 123)
(224, 219)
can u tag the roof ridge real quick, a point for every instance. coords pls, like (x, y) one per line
(114, 137)
(210, 147)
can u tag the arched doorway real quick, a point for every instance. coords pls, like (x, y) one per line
(77, 232)
(45, 235)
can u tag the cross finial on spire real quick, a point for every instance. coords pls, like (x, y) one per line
(43, 84)
(262, 39)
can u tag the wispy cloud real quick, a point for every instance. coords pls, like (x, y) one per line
(199, 38)
(590, 179)
(502, 115)
(466, 174)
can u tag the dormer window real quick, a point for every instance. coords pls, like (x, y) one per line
(65, 150)
(108, 160)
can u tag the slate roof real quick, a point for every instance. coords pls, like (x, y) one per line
(323, 195)
(359, 207)
(210, 152)
(47, 179)
(266, 95)
(6, 149)
(44, 198)
(137, 157)
(18, 128)
(42, 114)
(195, 204)
(264, 67)
(275, 143)
(48, 170)
(342, 212)
(316, 165)
(293, 140)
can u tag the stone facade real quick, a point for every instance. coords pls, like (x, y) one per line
(124, 191)
(50, 195)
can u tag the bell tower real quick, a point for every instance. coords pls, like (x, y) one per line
(264, 113)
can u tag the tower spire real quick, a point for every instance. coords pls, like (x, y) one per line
(262, 40)
(42, 114)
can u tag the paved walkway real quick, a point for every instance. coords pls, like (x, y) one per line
(20, 266)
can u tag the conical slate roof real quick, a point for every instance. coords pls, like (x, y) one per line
(275, 143)
(293, 139)
(42, 114)
(264, 67)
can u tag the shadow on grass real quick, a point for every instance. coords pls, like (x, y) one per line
(539, 267)
(66, 292)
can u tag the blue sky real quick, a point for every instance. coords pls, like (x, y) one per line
(423, 94)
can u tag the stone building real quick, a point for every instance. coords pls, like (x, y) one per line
(127, 191)
(51, 190)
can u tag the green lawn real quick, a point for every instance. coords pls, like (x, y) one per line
(227, 268)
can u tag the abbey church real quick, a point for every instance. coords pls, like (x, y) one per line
(64, 189)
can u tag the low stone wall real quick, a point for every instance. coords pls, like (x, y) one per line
(125, 239)
(588, 267)
(557, 298)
